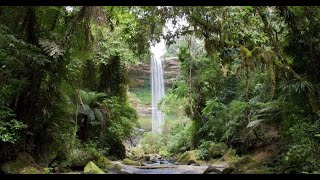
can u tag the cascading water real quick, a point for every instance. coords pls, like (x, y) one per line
(157, 83)
(157, 88)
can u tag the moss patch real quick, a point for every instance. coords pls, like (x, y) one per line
(115, 167)
(103, 163)
(188, 157)
(217, 150)
(131, 162)
(24, 164)
(145, 123)
(91, 168)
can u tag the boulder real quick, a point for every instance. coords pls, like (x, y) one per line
(154, 158)
(114, 168)
(212, 170)
(195, 164)
(29, 170)
(228, 170)
(24, 164)
(118, 150)
(217, 150)
(103, 163)
(144, 158)
(91, 168)
(131, 162)
(229, 156)
(188, 158)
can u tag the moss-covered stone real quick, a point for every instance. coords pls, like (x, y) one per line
(24, 164)
(260, 170)
(131, 162)
(103, 163)
(115, 167)
(229, 155)
(29, 170)
(212, 170)
(217, 150)
(47, 170)
(12, 167)
(17, 167)
(143, 158)
(188, 157)
(246, 163)
(228, 170)
(91, 168)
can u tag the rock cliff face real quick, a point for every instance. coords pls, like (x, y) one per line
(171, 70)
(139, 76)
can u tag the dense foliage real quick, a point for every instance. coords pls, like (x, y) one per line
(64, 80)
(250, 80)
(254, 84)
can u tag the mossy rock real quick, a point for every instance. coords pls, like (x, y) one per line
(17, 167)
(29, 170)
(212, 170)
(228, 170)
(131, 162)
(217, 150)
(24, 164)
(188, 157)
(103, 163)
(246, 164)
(47, 170)
(143, 158)
(12, 167)
(115, 167)
(261, 170)
(230, 155)
(91, 168)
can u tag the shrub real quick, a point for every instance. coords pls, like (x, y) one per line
(181, 139)
(303, 149)
(209, 149)
(151, 143)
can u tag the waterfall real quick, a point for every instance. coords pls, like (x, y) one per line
(157, 89)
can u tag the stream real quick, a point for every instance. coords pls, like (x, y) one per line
(164, 167)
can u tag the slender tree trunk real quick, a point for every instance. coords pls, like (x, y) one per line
(190, 77)
(76, 119)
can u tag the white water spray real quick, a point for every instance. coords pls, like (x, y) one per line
(157, 86)
(157, 83)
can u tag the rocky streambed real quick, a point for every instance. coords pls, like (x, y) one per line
(163, 166)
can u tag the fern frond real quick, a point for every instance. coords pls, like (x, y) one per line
(86, 110)
(99, 115)
(51, 48)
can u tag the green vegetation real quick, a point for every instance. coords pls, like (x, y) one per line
(248, 94)
(144, 94)
(131, 162)
(145, 123)
(64, 87)
(253, 86)
(91, 168)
